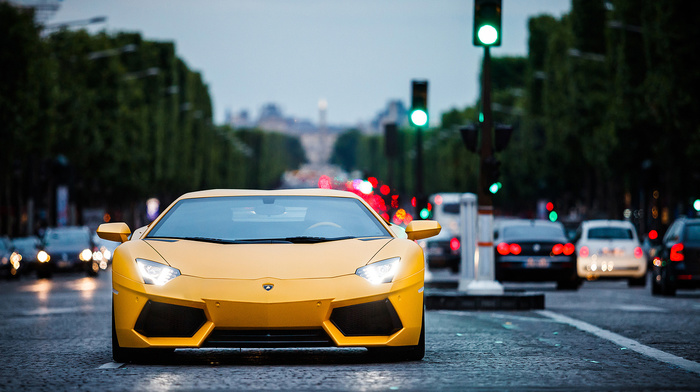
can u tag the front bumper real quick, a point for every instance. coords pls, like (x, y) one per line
(595, 267)
(345, 311)
(534, 268)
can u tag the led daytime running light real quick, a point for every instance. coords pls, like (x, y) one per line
(381, 271)
(156, 273)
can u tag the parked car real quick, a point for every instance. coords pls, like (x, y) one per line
(677, 260)
(10, 261)
(66, 249)
(285, 268)
(534, 250)
(443, 250)
(610, 249)
(27, 248)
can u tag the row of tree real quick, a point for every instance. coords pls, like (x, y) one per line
(115, 119)
(603, 108)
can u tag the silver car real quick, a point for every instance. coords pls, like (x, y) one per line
(610, 249)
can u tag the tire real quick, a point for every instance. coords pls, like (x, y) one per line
(667, 287)
(405, 353)
(637, 282)
(572, 283)
(655, 286)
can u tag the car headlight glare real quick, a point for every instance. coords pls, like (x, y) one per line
(43, 257)
(85, 255)
(381, 271)
(156, 273)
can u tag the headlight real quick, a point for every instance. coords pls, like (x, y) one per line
(381, 271)
(156, 273)
(43, 257)
(15, 258)
(86, 255)
(97, 255)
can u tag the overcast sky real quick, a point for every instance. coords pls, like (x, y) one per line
(356, 54)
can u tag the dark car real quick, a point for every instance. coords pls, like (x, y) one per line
(10, 261)
(27, 248)
(66, 249)
(676, 264)
(534, 250)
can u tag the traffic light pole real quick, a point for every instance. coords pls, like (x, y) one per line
(484, 282)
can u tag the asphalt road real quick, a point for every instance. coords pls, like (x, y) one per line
(55, 335)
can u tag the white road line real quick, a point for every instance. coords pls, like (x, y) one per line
(111, 365)
(624, 342)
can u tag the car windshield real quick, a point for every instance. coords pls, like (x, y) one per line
(450, 208)
(532, 232)
(610, 233)
(25, 244)
(692, 233)
(67, 237)
(268, 218)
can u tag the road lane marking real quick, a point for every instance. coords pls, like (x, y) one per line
(111, 365)
(624, 342)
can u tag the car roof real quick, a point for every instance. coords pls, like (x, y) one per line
(277, 192)
(607, 223)
(525, 222)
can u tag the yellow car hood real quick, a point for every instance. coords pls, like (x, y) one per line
(281, 261)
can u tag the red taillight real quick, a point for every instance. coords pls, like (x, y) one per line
(557, 249)
(454, 243)
(515, 249)
(638, 252)
(569, 249)
(503, 249)
(583, 252)
(677, 252)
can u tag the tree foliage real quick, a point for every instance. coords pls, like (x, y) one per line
(117, 119)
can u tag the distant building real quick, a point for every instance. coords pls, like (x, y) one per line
(394, 112)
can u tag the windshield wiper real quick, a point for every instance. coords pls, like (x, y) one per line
(314, 240)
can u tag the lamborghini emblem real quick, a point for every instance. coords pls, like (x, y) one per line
(268, 286)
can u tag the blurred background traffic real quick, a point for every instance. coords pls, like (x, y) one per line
(100, 124)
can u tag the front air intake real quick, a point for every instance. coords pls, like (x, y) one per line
(159, 320)
(378, 318)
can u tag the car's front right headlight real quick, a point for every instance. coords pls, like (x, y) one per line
(381, 271)
(156, 273)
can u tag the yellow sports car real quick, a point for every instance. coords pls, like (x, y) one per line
(286, 268)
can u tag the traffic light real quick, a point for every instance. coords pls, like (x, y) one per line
(492, 170)
(470, 136)
(418, 116)
(487, 22)
(503, 134)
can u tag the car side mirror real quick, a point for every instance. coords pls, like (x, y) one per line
(417, 230)
(118, 231)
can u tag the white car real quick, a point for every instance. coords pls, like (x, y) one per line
(610, 249)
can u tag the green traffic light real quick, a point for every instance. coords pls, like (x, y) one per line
(424, 213)
(553, 216)
(495, 187)
(487, 34)
(696, 205)
(419, 117)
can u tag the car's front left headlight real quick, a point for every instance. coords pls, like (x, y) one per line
(381, 271)
(156, 273)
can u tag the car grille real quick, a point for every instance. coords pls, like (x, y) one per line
(378, 318)
(159, 319)
(268, 338)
